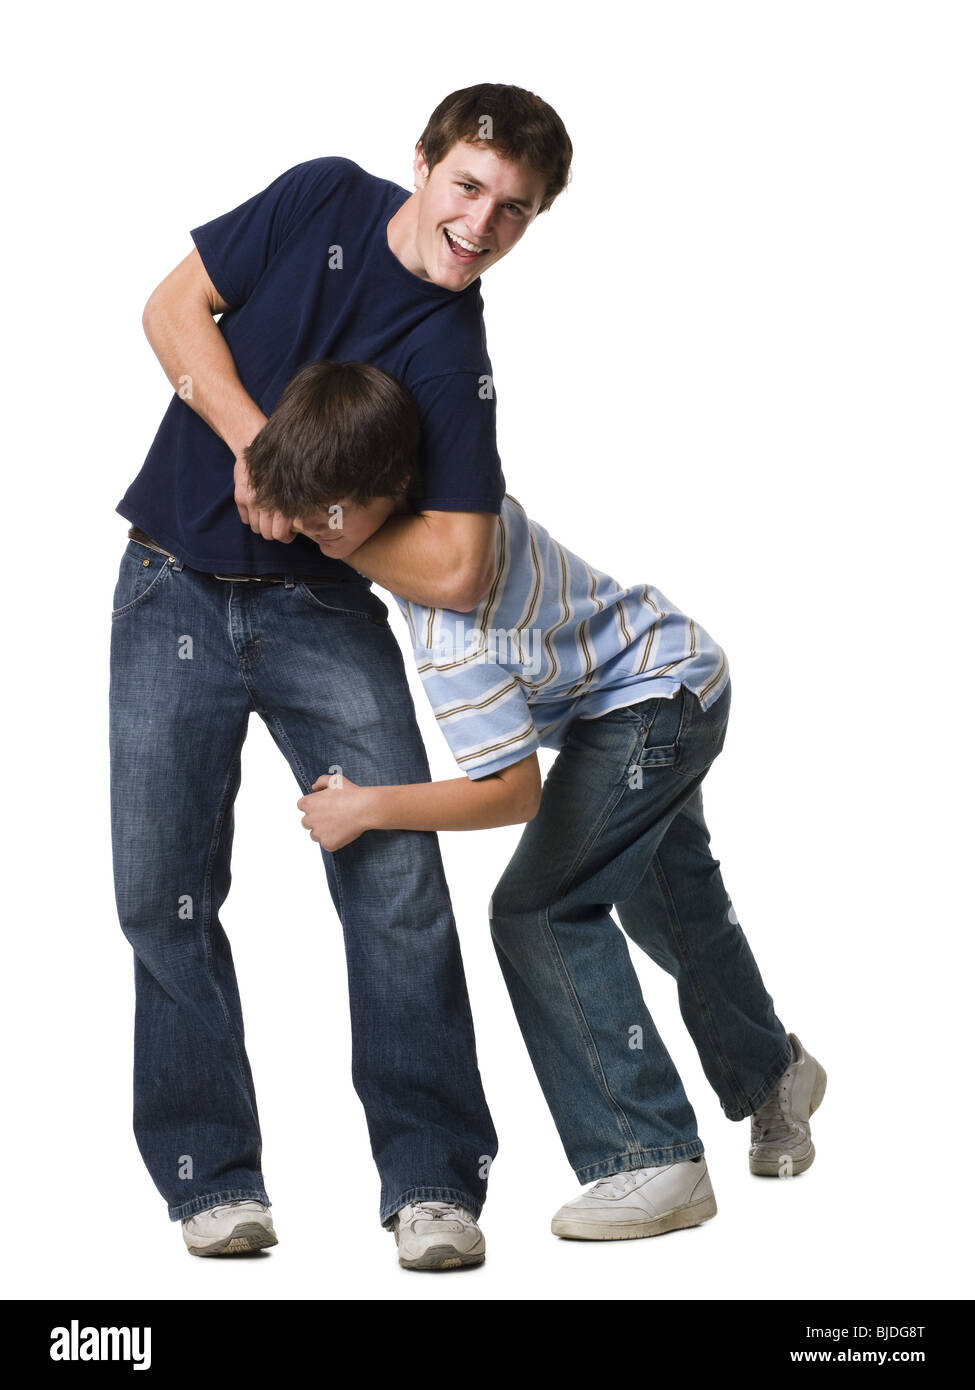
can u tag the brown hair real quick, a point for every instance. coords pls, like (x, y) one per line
(340, 431)
(524, 130)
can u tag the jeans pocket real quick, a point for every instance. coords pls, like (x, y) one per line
(701, 736)
(717, 718)
(626, 715)
(141, 574)
(345, 600)
(663, 720)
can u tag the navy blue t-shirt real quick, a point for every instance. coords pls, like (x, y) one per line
(308, 274)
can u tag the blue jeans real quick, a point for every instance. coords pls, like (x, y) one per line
(191, 657)
(621, 822)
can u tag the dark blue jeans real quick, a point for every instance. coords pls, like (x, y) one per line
(621, 822)
(192, 656)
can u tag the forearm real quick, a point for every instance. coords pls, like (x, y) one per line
(457, 804)
(405, 558)
(198, 363)
(337, 810)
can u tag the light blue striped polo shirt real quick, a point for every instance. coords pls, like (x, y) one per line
(553, 640)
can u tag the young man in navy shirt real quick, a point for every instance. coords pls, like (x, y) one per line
(221, 609)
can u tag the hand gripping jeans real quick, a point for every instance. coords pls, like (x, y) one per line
(621, 822)
(191, 657)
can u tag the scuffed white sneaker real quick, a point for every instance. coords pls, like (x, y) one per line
(232, 1228)
(437, 1235)
(645, 1202)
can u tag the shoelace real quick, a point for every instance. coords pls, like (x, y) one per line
(772, 1122)
(240, 1202)
(437, 1211)
(616, 1185)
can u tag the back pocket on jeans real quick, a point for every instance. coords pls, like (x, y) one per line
(660, 748)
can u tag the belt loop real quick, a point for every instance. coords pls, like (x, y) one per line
(176, 563)
(289, 581)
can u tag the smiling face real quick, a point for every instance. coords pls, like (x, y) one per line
(468, 212)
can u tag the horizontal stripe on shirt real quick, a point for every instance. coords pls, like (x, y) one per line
(553, 640)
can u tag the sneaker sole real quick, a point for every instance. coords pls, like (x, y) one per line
(574, 1229)
(770, 1167)
(444, 1257)
(248, 1236)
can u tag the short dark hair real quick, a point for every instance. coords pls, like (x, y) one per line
(524, 130)
(340, 431)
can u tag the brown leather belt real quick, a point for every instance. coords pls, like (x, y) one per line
(140, 536)
(136, 535)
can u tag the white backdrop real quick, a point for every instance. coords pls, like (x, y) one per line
(734, 361)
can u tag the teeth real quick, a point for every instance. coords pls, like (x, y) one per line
(460, 241)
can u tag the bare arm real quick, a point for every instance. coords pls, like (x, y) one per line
(178, 320)
(340, 810)
(437, 559)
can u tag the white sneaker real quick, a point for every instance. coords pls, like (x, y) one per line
(646, 1202)
(437, 1235)
(233, 1228)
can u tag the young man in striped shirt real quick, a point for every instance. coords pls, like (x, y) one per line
(636, 696)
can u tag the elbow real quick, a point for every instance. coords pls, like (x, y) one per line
(466, 589)
(518, 792)
(517, 810)
(447, 595)
(150, 315)
(460, 596)
(528, 804)
(460, 600)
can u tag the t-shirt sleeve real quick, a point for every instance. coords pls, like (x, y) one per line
(459, 459)
(237, 247)
(480, 707)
